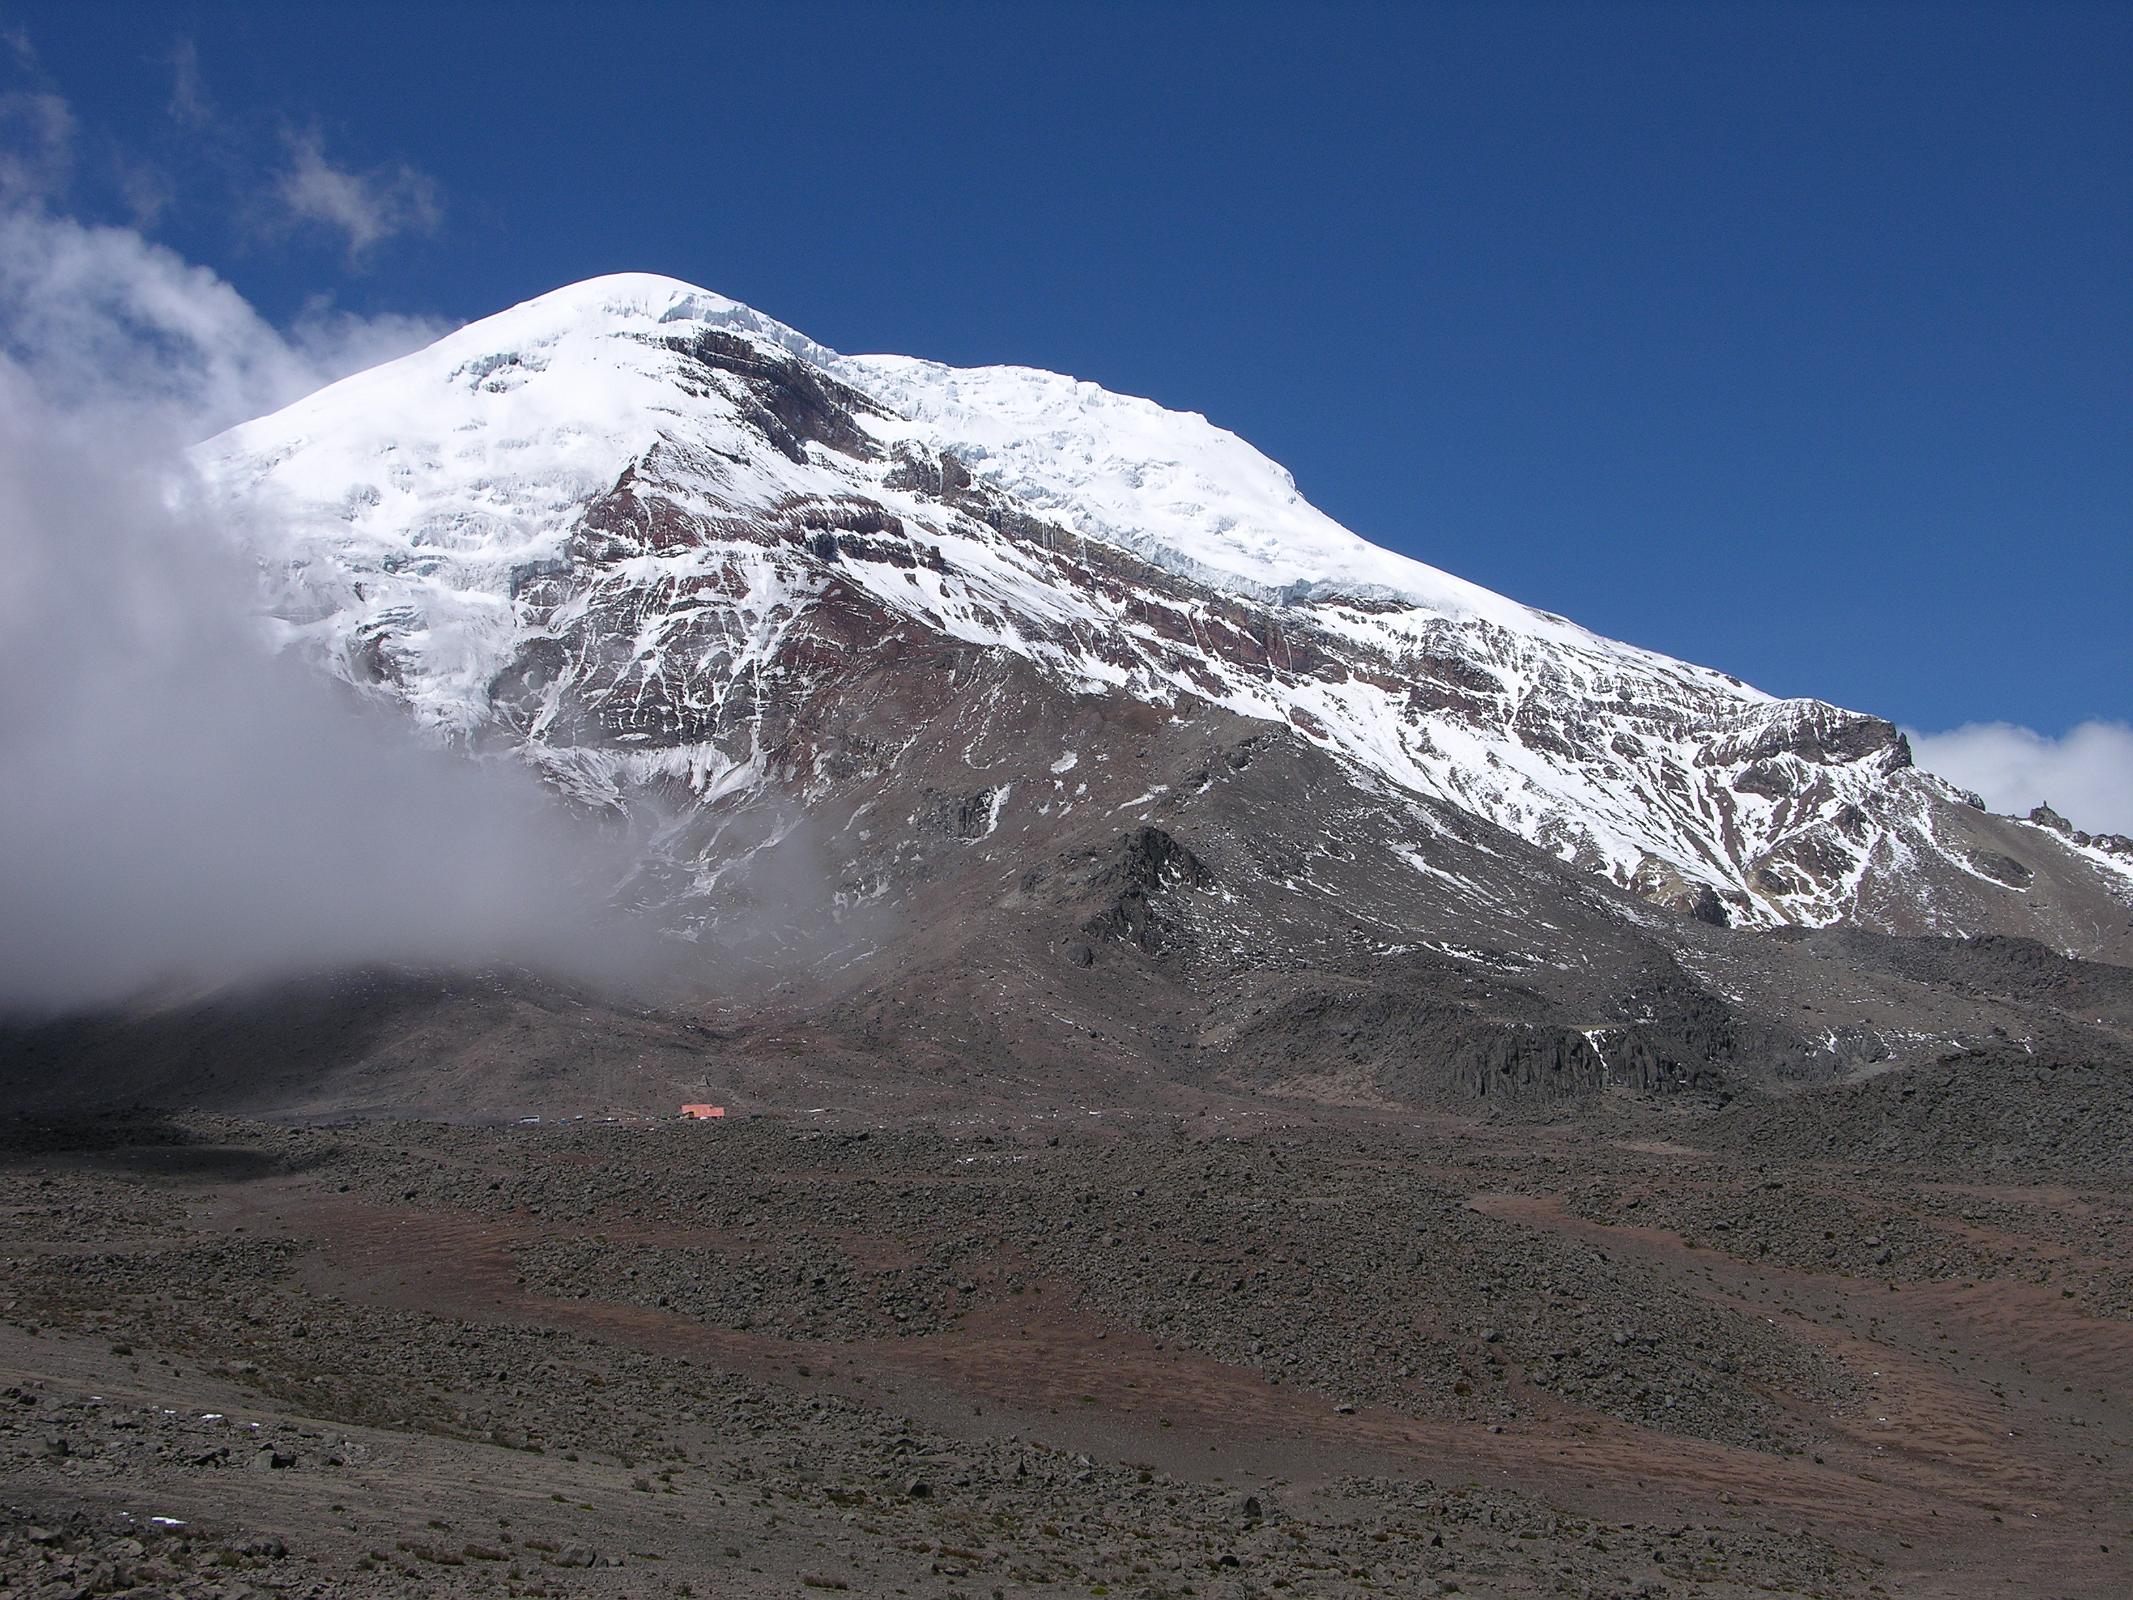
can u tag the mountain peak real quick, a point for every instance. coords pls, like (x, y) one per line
(622, 300)
(638, 530)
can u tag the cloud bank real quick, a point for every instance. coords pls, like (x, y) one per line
(179, 804)
(100, 321)
(2086, 776)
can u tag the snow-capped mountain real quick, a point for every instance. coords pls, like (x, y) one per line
(659, 542)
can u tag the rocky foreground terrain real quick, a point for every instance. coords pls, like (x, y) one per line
(1226, 1347)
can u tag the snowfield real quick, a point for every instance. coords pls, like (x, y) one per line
(608, 502)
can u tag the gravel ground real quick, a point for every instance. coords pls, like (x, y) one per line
(1344, 1357)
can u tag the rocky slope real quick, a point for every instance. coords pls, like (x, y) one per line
(659, 542)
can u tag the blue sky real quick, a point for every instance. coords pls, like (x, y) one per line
(1794, 340)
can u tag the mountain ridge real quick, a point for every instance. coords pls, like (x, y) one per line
(615, 526)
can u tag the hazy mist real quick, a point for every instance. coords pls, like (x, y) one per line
(178, 803)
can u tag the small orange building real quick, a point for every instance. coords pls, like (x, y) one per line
(703, 1113)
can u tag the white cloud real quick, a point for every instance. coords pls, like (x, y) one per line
(2086, 776)
(179, 803)
(107, 320)
(189, 100)
(36, 146)
(364, 209)
(222, 161)
(146, 189)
